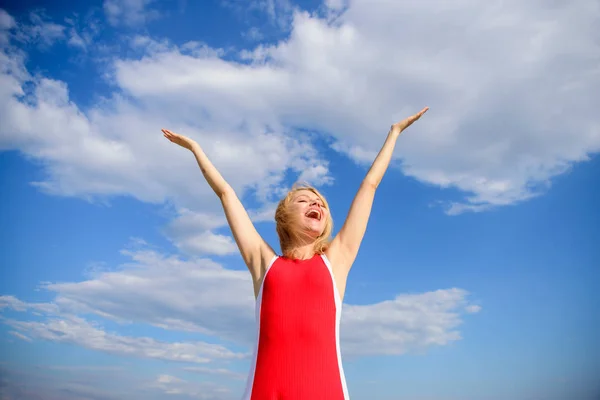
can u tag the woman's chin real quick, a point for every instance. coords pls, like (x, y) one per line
(313, 232)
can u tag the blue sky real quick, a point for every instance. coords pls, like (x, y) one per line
(477, 277)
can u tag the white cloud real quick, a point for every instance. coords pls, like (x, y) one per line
(507, 113)
(107, 368)
(472, 309)
(202, 296)
(188, 222)
(491, 130)
(407, 323)
(82, 32)
(76, 40)
(79, 382)
(40, 31)
(336, 5)
(129, 12)
(253, 34)
(20, 336)
(267, 213)
(41, 383)
(111, 150)
(166, 291)
(277, 13)
(216, 371)
(206, 243)
(75, 330)
(173, 385)
(11, 302)
(6, 20)
(190, 233)
(62, 327)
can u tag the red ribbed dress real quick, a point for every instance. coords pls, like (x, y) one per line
(297, 356)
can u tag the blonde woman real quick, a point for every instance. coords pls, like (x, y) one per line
(299, 293)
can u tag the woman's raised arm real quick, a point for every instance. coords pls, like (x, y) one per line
(255, 251)
(344, 248)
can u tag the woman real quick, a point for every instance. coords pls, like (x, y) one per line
(299, 294)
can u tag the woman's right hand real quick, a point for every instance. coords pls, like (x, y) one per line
(405, 123)
(181, 140)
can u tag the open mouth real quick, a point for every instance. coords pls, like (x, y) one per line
(314, 214)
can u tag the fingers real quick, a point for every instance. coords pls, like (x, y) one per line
(423, 111)
(168, 134)
(417, 115)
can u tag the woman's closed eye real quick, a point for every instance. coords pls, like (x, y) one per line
(318, 202)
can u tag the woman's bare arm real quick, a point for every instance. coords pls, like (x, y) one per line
(344, 247)
(254, 250)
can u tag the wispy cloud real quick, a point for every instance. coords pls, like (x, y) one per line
(75, 330)
(40, 30)
(90, 382)
(276, 13)
(215, 371)
(203, 296)
(129, 12)
(82, 31)
(173, 385)
(20, 336)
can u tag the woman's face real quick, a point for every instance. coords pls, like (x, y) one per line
(309, 210)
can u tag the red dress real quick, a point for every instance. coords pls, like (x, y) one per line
(297, 355)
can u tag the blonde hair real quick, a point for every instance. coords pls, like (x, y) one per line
(288, 236)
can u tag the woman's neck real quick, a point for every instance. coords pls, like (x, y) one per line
(303, 252)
